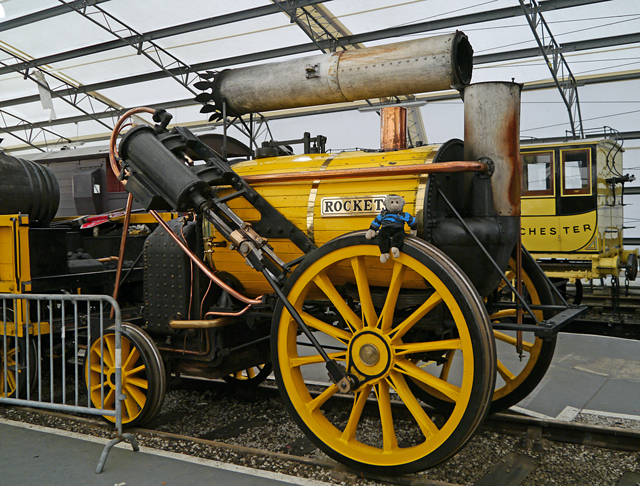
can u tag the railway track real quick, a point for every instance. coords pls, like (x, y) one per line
(251, 428)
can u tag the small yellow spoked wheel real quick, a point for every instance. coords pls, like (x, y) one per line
(250, 377)
(13, 362)
(377, 320)
(144, 381)
(516, 378)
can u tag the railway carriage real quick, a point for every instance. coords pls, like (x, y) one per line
(572, 210)
(268, 263)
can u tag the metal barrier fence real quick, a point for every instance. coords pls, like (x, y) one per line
(62, 352)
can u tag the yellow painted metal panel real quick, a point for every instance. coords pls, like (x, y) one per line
(301, 203)
(538, 206)
(559, 233)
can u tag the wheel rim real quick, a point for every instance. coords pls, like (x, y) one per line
(374, 349)
(509, 380)
(143, 379)
(515, 379)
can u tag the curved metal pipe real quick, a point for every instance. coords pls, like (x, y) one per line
(206, 270)
(230, 314)
(113, 152)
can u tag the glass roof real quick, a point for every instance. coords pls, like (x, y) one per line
(119, 76)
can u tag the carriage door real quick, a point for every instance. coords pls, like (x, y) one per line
(539, 220)
(577, 209)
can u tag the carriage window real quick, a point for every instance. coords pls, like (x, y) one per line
(577, 172)
(538, 174)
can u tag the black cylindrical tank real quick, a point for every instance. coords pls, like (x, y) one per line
(29, 188)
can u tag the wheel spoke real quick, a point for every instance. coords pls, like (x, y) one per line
(505, 373)
(418, 314)
(134, 371)
(446, 367)
(502, 314)
(97, 359)
(315, 359)
(131, 406)
(349, 432)
(410, 369)
(139, 382)
(97, 367)
(131, 360)
(11, 380)
(109, 400)
(324, 283)
(108, 356)
(397, 381)
(395, 285)
(444, 345)
(364, 292)
(328, 329)
(389, 440)
(321, 399)
(505, 338)
(135, 392)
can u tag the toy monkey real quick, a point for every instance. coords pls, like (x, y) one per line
(390, 227)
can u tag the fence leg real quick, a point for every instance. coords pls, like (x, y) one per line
(105, 452)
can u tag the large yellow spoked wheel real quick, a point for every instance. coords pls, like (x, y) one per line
(376, 320)
(516, 377)
(144, 381)
(13, 364)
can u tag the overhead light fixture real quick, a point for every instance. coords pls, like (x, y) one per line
(1, 11)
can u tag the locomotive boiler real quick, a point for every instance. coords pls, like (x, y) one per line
(268, 264)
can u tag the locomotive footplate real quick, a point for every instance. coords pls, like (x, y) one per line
(547, 328)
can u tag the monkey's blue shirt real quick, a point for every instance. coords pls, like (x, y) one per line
(389, 219)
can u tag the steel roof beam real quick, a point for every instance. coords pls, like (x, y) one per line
(45, 14)
(417, 28)
(483, 59)
(154, 35)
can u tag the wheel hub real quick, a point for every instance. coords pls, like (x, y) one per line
(111, 378)
(370, 355)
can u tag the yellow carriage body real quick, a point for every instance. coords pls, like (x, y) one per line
(572, 210)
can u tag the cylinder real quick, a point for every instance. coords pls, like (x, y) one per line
(158, 179)
(29, 188)
(492, 129)
(415, 66)
(393, 128)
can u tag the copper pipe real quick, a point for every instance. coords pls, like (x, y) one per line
(230, 314)
(393, 128)
(113, 152)
(200, 324)
(123, 241)
(519, 348)
(206, 351)
(202, 266)
(108, 259)
(440, 167)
